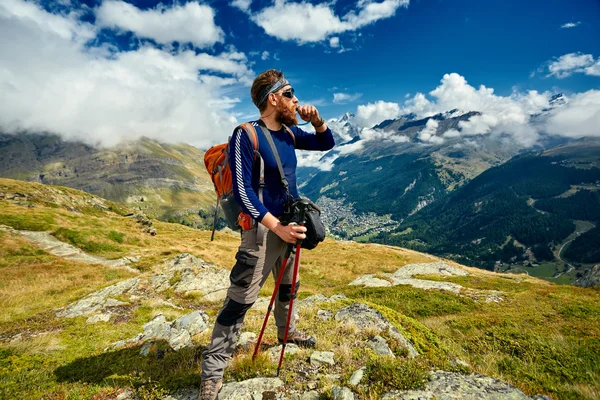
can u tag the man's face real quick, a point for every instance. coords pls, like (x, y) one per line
(286, 106)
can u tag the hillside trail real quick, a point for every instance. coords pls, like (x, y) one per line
(46, 241)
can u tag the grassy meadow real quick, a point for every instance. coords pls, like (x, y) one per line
(541, 338)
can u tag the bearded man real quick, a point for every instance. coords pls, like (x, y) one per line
(265, 239)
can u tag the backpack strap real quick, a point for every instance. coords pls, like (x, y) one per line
(289, 131)
(251, 132)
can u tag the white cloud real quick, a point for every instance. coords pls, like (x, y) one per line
(570, 25)
(306, 22)
(334, 42)
(506, 115)
(594, 69)
(428, 134)
(373, 113)
(579, 118)
(188, 23)
(451, 133)
(345, 98)
(265, 55)
(66, 27)
(498, 114)
(243, 5)
(51, 81)
(569, 64)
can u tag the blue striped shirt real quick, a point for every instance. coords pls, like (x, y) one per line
(246, 173)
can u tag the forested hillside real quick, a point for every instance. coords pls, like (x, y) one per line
(519, 213)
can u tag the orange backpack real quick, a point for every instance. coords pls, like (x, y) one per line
(216, 160)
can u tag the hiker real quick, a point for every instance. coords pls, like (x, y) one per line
(264, 237)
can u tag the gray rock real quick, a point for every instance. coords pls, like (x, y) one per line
(114, 303)
(324, 315)
(319, 358)
(311, 395)
(275, 352)
(145, 350)
(246, 339)
(94, 319)
(157, 328)
(370, 280)
(250, 389)
(210, 282)
(183, 394)
(160, 282)
(178, 333)
(366, 317)
(451, 385)
(357, 376)
(194, 322)
(590, 277)
(320, 298)
(98, 300)
(435, 268)
(403, 276)
(409, 395)
(126, 394)
(342, 393)
(380, 346)
(180, 339)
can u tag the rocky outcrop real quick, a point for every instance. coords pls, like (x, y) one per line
(590, 278)
(257, 388)
(177, 333)
(183, 274)
(404, 275)
(451, 385)
(100, 301)
(188, 274)
(366, 317)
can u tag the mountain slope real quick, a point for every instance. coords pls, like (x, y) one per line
(73, 341)
(390, 171)
(165, 181)
(519, 213)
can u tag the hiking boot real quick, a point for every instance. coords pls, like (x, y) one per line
(210, 388)
(301, 339)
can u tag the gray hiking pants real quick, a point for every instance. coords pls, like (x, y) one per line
(256, 258)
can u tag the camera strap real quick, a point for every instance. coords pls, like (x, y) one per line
(284, 181)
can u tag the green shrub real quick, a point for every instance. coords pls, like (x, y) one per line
(79, 239)
(116, 236)
(27, 222)
(387, 373)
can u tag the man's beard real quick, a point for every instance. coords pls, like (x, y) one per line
(285, 115)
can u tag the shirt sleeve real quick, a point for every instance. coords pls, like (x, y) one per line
(241, 162)
(313, 141)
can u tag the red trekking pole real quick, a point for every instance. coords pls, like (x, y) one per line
(290, 249)
(302, 205)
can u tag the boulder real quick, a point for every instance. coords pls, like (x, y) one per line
(257, 388)
(319, 358)
(342, 393)
(452, 385)
(357, 377)
(380, 346)
(366, 317)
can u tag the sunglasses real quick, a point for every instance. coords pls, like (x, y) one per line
(288, 93)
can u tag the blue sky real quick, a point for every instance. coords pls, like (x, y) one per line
(105, 70)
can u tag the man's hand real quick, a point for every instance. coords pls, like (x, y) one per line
(309, 113)
(290, 233)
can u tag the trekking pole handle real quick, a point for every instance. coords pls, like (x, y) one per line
(302, 205)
